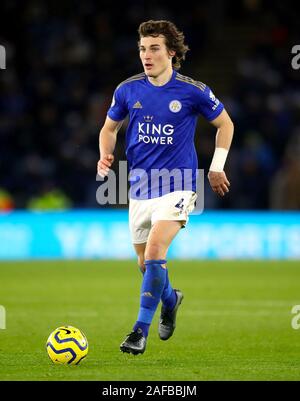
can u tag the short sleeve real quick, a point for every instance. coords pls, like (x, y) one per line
(118, 108)
(207, 104)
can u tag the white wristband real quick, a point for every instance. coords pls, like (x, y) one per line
(218, 160)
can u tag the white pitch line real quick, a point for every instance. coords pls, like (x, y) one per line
(268, 303)
(234, 313)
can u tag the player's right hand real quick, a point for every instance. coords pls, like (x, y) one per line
(104, 164)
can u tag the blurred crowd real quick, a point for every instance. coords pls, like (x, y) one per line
(65, 59)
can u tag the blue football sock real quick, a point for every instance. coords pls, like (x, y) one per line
(168, 296)
(152, 287)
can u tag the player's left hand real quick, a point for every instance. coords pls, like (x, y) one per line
(218, 182)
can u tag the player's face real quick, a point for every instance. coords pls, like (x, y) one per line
(155, 57)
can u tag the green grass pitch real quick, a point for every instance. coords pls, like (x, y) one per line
(234, 322)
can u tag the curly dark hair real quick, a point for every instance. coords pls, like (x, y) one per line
(173, 37)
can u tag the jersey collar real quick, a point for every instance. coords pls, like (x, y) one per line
(165, 85)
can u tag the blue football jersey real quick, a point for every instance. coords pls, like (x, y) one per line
(161, 127)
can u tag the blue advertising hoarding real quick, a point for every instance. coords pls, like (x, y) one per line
(104, 234)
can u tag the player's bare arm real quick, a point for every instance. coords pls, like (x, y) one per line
(107, 143)
(216, 176)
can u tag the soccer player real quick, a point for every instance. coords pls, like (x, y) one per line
(163, 107)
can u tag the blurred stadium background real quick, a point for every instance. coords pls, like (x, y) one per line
(64, 59)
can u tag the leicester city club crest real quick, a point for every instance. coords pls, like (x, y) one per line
(175, 106)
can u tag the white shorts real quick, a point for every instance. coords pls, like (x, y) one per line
(144, 213)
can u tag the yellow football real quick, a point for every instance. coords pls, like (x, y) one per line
(67, 345)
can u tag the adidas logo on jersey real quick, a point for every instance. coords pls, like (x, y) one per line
(137, 105)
